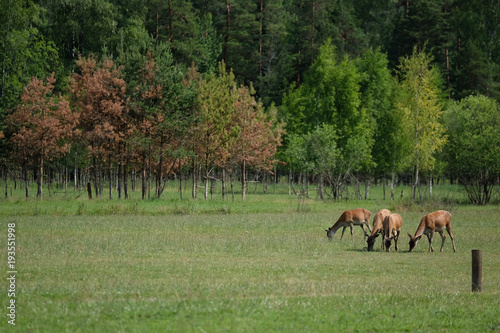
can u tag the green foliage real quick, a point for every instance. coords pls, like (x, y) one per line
(473, 150)
(333, 95)
(420, 23)
(80, 27)
(276, 61)
(210, 46)
(422, 106)
(24, 53)
(378, 96)
(329, 95)
(476, 65)
(215, 131)
(322, 49)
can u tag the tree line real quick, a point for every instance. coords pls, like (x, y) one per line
(336, 92)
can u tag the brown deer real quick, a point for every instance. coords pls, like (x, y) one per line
(392, 229)
(350, 218)
(430, 223)
(378, 228)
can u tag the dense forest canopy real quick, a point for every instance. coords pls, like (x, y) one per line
(216, 89)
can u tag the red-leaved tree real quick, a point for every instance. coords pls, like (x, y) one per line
(260, 135)
(99, 95)
(43, 125)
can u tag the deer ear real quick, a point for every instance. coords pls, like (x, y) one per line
(418, 237)
(410, 235)
(326, 230)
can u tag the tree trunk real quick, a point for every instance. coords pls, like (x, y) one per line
(96, 178)
(39, 193)
(119, 181)
(125, 179)
(243, 180)
(26, 182)
(393, 173)
(260, 36)
(206, 184)
(49, 181)
(275, 179)
(212, 180)
(430, 185)
(266, 176)
(76, 174)
(180, 183)
(171, 18)
(223, 183)
(367, 187)
(358, 191)
(89, 190)
(194, 179)
(383, 185)
(415, 184)
(149, 174)
(6, 183)
(110, 177)
(143, 176)
(226, 36)
(320, 187)
(159, 177)
(232, 187)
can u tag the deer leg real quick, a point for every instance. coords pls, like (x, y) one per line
(396, 238)
(443, 237)
(343, 230)
(368, 225)
(452, 239)
(430, 236)
(352, 238)
(364, 231)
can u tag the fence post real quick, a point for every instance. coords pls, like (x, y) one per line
(477, 271)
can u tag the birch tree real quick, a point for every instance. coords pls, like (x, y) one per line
(215, 131)
(422, 107)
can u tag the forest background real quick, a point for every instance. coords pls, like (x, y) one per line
(335, 93)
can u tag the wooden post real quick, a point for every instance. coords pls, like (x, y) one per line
(477, 271)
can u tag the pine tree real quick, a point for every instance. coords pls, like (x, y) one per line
(98, 94)
(43, 126)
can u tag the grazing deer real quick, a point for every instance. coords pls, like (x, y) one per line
(392, 229)
(430, 223)
(378, 228)
(350, 218)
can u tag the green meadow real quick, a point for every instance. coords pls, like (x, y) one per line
(260, 265)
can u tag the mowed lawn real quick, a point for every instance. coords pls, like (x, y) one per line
(259, 272)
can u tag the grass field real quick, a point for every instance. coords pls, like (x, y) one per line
(262, 265)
